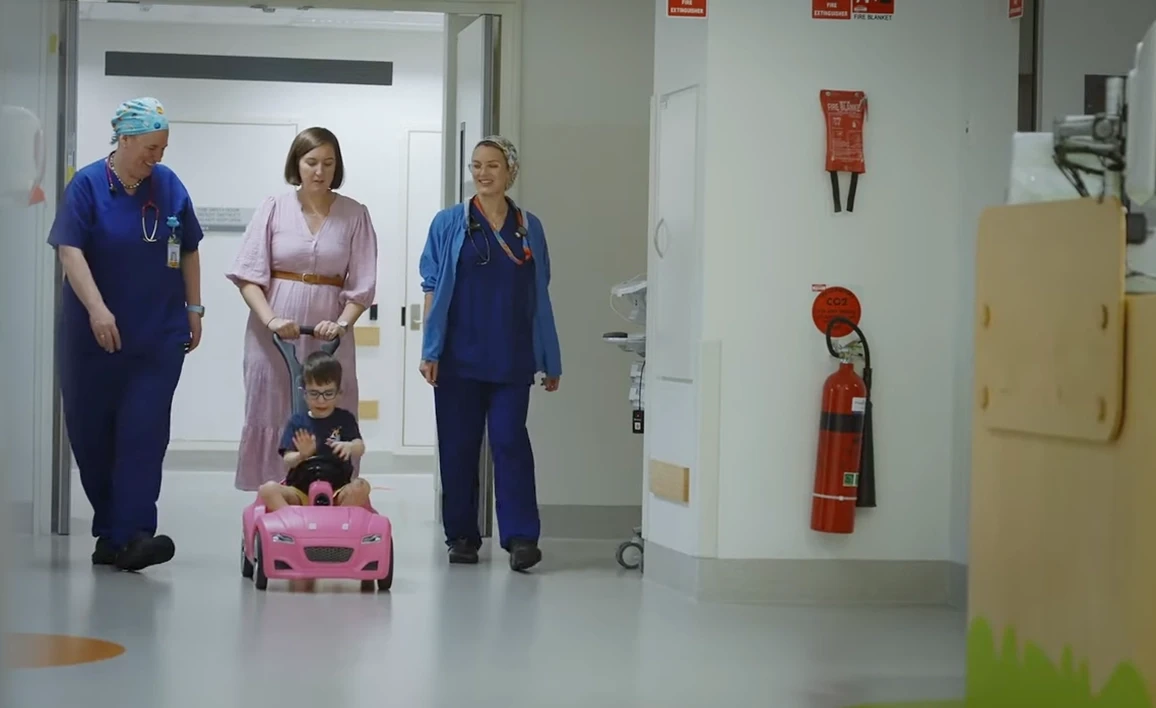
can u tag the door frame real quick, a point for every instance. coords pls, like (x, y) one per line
(52, 504)
(510, 49)
(52, 495)
(403, 206)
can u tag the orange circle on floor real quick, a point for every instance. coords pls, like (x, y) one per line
(42, 651)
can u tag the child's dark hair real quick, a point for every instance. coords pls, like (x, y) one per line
(321, 368)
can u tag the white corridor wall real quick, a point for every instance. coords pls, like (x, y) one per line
(371, 122)
(587, 76)
(937, 138)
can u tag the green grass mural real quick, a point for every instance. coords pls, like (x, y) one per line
(1004, 677)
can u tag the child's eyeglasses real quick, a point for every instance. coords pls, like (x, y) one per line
(315, 395)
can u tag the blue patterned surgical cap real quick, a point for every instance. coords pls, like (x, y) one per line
(138, 116)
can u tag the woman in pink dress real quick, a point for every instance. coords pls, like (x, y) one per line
(309, 257)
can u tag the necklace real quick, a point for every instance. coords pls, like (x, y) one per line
(124, 184)
(495, 223)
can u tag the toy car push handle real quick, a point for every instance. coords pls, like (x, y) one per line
(329, 347)
(289, 354)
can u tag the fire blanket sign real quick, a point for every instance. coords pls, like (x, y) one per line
(852, 9)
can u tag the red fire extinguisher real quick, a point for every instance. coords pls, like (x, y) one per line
(844, 476)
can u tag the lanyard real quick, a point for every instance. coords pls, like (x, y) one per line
(149, 237)
(522, 233)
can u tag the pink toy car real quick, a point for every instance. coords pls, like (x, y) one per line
(319, 540)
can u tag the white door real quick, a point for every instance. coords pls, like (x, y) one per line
(422, 185)
(470, 118)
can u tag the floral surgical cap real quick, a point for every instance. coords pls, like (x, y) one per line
(507, 149)
(138, 116)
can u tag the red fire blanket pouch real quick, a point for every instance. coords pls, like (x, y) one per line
(844, 113)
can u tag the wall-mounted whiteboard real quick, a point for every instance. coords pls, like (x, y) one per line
(230, 165)
(673, 292)
(224, 166)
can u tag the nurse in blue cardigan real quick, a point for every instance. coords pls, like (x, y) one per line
(489, 331)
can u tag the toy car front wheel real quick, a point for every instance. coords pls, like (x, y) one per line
(246, 564)
(384, 584)
(261, 581)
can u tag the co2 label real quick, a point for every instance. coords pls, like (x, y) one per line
(836, 302)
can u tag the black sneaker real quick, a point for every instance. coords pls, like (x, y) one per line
(105, 552)
(462, 551)
(524, 554)
(145, 551)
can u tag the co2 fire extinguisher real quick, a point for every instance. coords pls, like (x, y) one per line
(844, 465)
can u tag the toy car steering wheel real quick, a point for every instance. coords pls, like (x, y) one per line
(319, 468)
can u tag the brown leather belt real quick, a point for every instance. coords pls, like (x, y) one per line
(310, 278)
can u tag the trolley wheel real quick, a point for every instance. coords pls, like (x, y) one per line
(629, 560)
(246, 564)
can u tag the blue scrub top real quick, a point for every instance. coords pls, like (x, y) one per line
(490, 324)
(146, 296)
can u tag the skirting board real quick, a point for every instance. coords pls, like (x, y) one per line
(808, 582)
(589, 523)
(226, 461)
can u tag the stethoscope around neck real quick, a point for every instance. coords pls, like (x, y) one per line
(473, 226)
(149, 237)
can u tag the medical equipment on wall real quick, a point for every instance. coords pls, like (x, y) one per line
(1109, 154)
(628, 301)
(844, 113)
(22, 144)
(844, 462)
(633, 293)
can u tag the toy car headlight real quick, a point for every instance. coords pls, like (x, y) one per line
(282, 538)
(371, 538)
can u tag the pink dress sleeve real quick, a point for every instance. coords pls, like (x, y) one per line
(254, 260)
(361, 278)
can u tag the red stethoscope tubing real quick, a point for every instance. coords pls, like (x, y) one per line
(150, 204)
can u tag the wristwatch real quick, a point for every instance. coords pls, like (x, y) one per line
(343, 325)
(196, 309)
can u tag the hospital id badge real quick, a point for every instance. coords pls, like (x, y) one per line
(174, 253)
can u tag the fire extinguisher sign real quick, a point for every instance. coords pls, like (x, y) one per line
(832, 302)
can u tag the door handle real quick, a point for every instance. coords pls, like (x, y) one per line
(661, 228)
(415, 319)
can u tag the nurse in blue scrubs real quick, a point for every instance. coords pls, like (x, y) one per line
(127, 237)
(489, 331)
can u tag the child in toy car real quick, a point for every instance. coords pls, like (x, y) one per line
(335, 428)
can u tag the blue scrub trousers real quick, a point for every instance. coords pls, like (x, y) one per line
(117, 409)
(464, 407)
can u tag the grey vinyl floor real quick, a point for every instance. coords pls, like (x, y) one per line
(578, 631)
